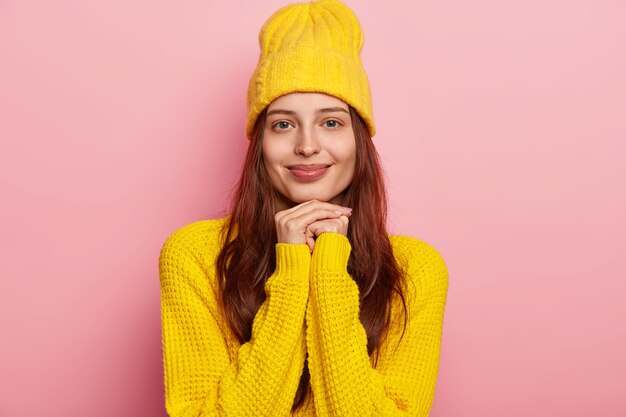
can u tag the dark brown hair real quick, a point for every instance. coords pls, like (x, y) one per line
(246, 262)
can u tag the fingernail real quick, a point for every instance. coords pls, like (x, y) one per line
(338, 211)
(348, 209)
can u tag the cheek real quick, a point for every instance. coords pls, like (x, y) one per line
(272, 158)
(345, 153)
(268, 153)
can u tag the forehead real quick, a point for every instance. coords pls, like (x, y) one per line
(306, 101)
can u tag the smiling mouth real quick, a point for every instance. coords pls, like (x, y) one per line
(308, 167)
(307, 173)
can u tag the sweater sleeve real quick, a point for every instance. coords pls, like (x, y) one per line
(342, 377)
(201, 379)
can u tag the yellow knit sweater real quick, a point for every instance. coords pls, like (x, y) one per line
(312, 306)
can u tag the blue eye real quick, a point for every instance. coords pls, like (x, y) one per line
(331, 123)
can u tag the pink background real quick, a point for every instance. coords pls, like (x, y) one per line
(502, 127)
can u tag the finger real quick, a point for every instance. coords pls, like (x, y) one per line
(299, 222)
(294, 208)
(315, 215)
(320, 227)
(310, 239)
(317, 205)
(339, 225)
(330, 206)
(309, 234)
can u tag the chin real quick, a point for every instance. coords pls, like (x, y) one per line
(299, 194)
(301, 197)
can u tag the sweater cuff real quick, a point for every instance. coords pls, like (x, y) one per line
(292, 259)
(331, 252)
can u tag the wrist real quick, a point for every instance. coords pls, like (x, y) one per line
(331, 252)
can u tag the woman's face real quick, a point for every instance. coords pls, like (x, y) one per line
(309, 148)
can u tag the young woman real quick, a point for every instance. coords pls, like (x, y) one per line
(299, 302)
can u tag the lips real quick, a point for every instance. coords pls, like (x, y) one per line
(308, 167)
(308, 172)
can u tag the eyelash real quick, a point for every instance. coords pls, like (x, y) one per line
(330, 120)
(277, 123)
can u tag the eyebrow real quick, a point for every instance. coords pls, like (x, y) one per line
(293, 113)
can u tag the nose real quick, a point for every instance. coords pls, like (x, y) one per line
(307, 143)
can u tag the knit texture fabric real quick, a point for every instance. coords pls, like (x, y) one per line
(311, 47)
(312, 306)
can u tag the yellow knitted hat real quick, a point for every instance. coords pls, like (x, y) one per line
(311, 47)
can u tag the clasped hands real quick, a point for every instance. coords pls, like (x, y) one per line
(306, 221)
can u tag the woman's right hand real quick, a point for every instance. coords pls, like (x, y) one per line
(292, 223)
